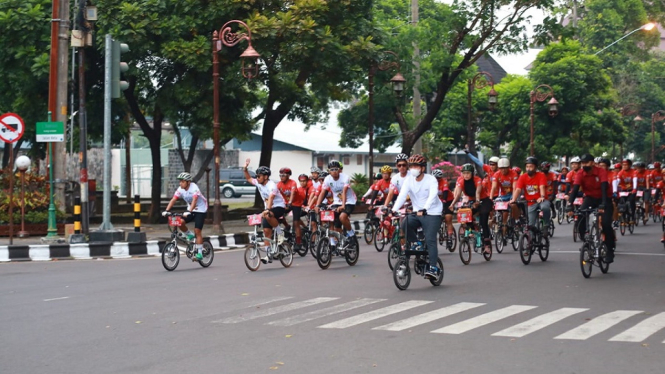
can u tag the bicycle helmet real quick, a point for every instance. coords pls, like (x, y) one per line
(314, 169)
(263, 170)
(493, 160)
(417, 160)
(386, 169)
(438, 174)
(504, 163)
(531, 160)
(334, 164)
(650, 167)
(517, 170)
(605, 161)
(627, 161)
(575, 160)
(656, 165)
(303, 177)
(564, 167)
(639, 164)
(378, 176)
(184, 177)
(285, 171)
(323, 174)
(586, 158)
(545, 165)
(467, 167)
(400, 157)
(597, 159)
(617, 166)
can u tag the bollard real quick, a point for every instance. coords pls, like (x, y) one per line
(77, 237)
(137, 236)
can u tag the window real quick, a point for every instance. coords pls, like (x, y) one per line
(347, 160)
(359, 159)
(320, 162)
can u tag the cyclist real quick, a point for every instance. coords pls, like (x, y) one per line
(533, 183)
(570, 177)
(401, 162)
(472, 187)
(597, 195)
(641, 176)
(503, 185)
(381, 187)
(314, 173)
(344, 199)
(299, 199)
(275, 206)
(489, 170)
(197, 207)
(446, 197)
(655, 178)
(552, 184)
(287, 187)
(625, 182)
(562, 185)
(422, 189)
(370, 191)
(517, 170)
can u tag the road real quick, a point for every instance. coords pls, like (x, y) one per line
(132, 316)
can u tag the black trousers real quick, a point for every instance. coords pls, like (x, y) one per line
(590, 202)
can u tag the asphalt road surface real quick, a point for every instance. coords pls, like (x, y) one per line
(132, 316)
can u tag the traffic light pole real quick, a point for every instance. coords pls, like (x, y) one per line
(106, 217)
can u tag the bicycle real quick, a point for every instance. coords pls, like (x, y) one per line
(279, 248)
(501, 237)
(532, 240)
(372, 223)
(625, 214)
(384, 233)
(395, 244)
(640, 212)
(402, 270)
(171, 251)
(560, 206)
(576, 229)
(472, 235)
(444, 237)
(593, 250)
(656, 207)
(346, 246)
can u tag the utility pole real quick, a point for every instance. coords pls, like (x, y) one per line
(61, 112)
(418, 147)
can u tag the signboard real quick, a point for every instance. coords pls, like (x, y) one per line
(50, 132)
(11, 127)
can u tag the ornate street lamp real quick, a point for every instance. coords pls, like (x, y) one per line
(250, 69)
(22, 164)
(479, 81)
(542, 93)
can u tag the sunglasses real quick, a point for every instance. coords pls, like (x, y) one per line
(283, 175)
(401, 165)
(333, 169)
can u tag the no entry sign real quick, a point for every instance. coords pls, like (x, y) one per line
(11, 127)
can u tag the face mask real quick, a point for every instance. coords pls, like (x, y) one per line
(415, 172)
(587, 168)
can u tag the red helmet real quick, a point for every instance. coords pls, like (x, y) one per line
(285, 171)
(617, 166)
(656, 165)
(517, 170)
(303, 177)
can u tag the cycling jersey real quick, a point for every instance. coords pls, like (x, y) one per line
(530, 186)
(443, 186)
(301, 195)
(625, 180)
(188, 196)
(337, 187)
(470, 192)
(591, 182)
(287, 189)
(655, 177)
(382, 185)
(504, 182)
(267, 190)
(550, 177)
(641, 179)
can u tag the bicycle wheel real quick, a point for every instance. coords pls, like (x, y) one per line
(622, 225)
(465, 251)
(303, 247)
(402, 274)
(559, 209)
(437, 281)
(442, 233)
(514, 239)
(604, 267)
(170, 256)
(550, 230)
(460, 232)
(352, 251)
(631, 227)
(379, 240)
(452, 243)
(253, 257)
(369, 232)
(498, 241)
(208, 255)
(544, 251)
(393, 254)
(314, 242)
(323, 255)
(586, 260)
(575, 231)
(638, 215)
(285, 253)
(526, 241)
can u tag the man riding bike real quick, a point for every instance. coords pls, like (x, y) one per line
(446, 197)
(401, 162)
(197, 206)
(552, 184)
(503, 185)
(344, 198)
(626, 182)
(381, 187)
(533, 183)
(641, 176)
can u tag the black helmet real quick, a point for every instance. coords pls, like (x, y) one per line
(400, 157)
(263, 170)
(334, 164)
(605, 161)
(586, 158)
(467, 167)
(545, 165)
(531, 160)
(323, 174)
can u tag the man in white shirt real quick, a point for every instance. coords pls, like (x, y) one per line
(423, 190)
(344, 199)
(197, 206)
(397, 180)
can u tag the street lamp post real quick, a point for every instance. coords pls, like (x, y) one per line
(542, 93)
(477, 83)
(398, 86)
(656, 117)
(22, 164)
(649, 26)
(250, 69)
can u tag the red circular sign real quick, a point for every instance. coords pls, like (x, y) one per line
(11, 127)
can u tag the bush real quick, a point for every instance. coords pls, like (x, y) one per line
(36, 199)
(359, 184)
(450, 172)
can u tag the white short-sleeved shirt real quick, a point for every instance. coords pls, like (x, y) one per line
(188, 196)
(337, 187)
(397, 181)
(270, 188)
(423, 194)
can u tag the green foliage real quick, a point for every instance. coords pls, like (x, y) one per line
(36, 199)
(359, 184)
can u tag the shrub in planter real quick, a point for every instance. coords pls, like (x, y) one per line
(36, 199)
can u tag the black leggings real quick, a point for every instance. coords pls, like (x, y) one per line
(590, 202)
(484, 209)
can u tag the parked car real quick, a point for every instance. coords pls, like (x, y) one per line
(232, 183)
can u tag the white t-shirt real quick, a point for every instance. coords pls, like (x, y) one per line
(397, 181)
(316, 184)
(337, 186)
(270, 188)
(188, 196)
(423, 194)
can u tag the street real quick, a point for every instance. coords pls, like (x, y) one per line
(132, 316)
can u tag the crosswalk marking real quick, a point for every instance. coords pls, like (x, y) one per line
(484, 319)
(428, 317)
(375, 314)
(642, 330)
(598, 325)
(290, 321)
(540, 322)
(278, 309)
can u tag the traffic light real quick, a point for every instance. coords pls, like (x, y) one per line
(117, 67)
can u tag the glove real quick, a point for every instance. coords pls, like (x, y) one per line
(187, 214)
(165, 213)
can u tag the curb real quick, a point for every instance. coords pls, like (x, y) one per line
(107, 250)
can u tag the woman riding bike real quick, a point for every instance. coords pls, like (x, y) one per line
(471, 186)
(197, 206)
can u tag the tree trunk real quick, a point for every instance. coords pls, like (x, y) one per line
(156, 187)
(267, 136)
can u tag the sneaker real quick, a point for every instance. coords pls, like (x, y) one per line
(609, 257)
(190, 237)
(432, 272)
(199, 257)
(266, 259)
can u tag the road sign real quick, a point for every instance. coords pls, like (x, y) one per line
(11, 127)
(50, 132)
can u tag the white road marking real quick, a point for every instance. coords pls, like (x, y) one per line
(642, 330)
(428, 317)
(277, 309)
(375, 314)
(484, 319)
(57, 298)
(598, 325)
(290, 321)
(540, 322)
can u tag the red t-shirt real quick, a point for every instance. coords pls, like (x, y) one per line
(661, 187)
(487, 181)
(655, 177)
(301, 194)
(286, 189)
(382, 186)
(550, 177)
(530, 186)
(443, 186)
(641, 178)
(478, 183)
(625, 178)
(591, 182)
(505, 182)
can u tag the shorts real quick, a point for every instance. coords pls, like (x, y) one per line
(446, 208)
(278, 212)
(198, 218)
(348, 209)
(297, 212)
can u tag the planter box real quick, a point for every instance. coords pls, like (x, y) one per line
(35, 229)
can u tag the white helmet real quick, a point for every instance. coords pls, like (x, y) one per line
(494, 159)
(504, 163)
(575, 159)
